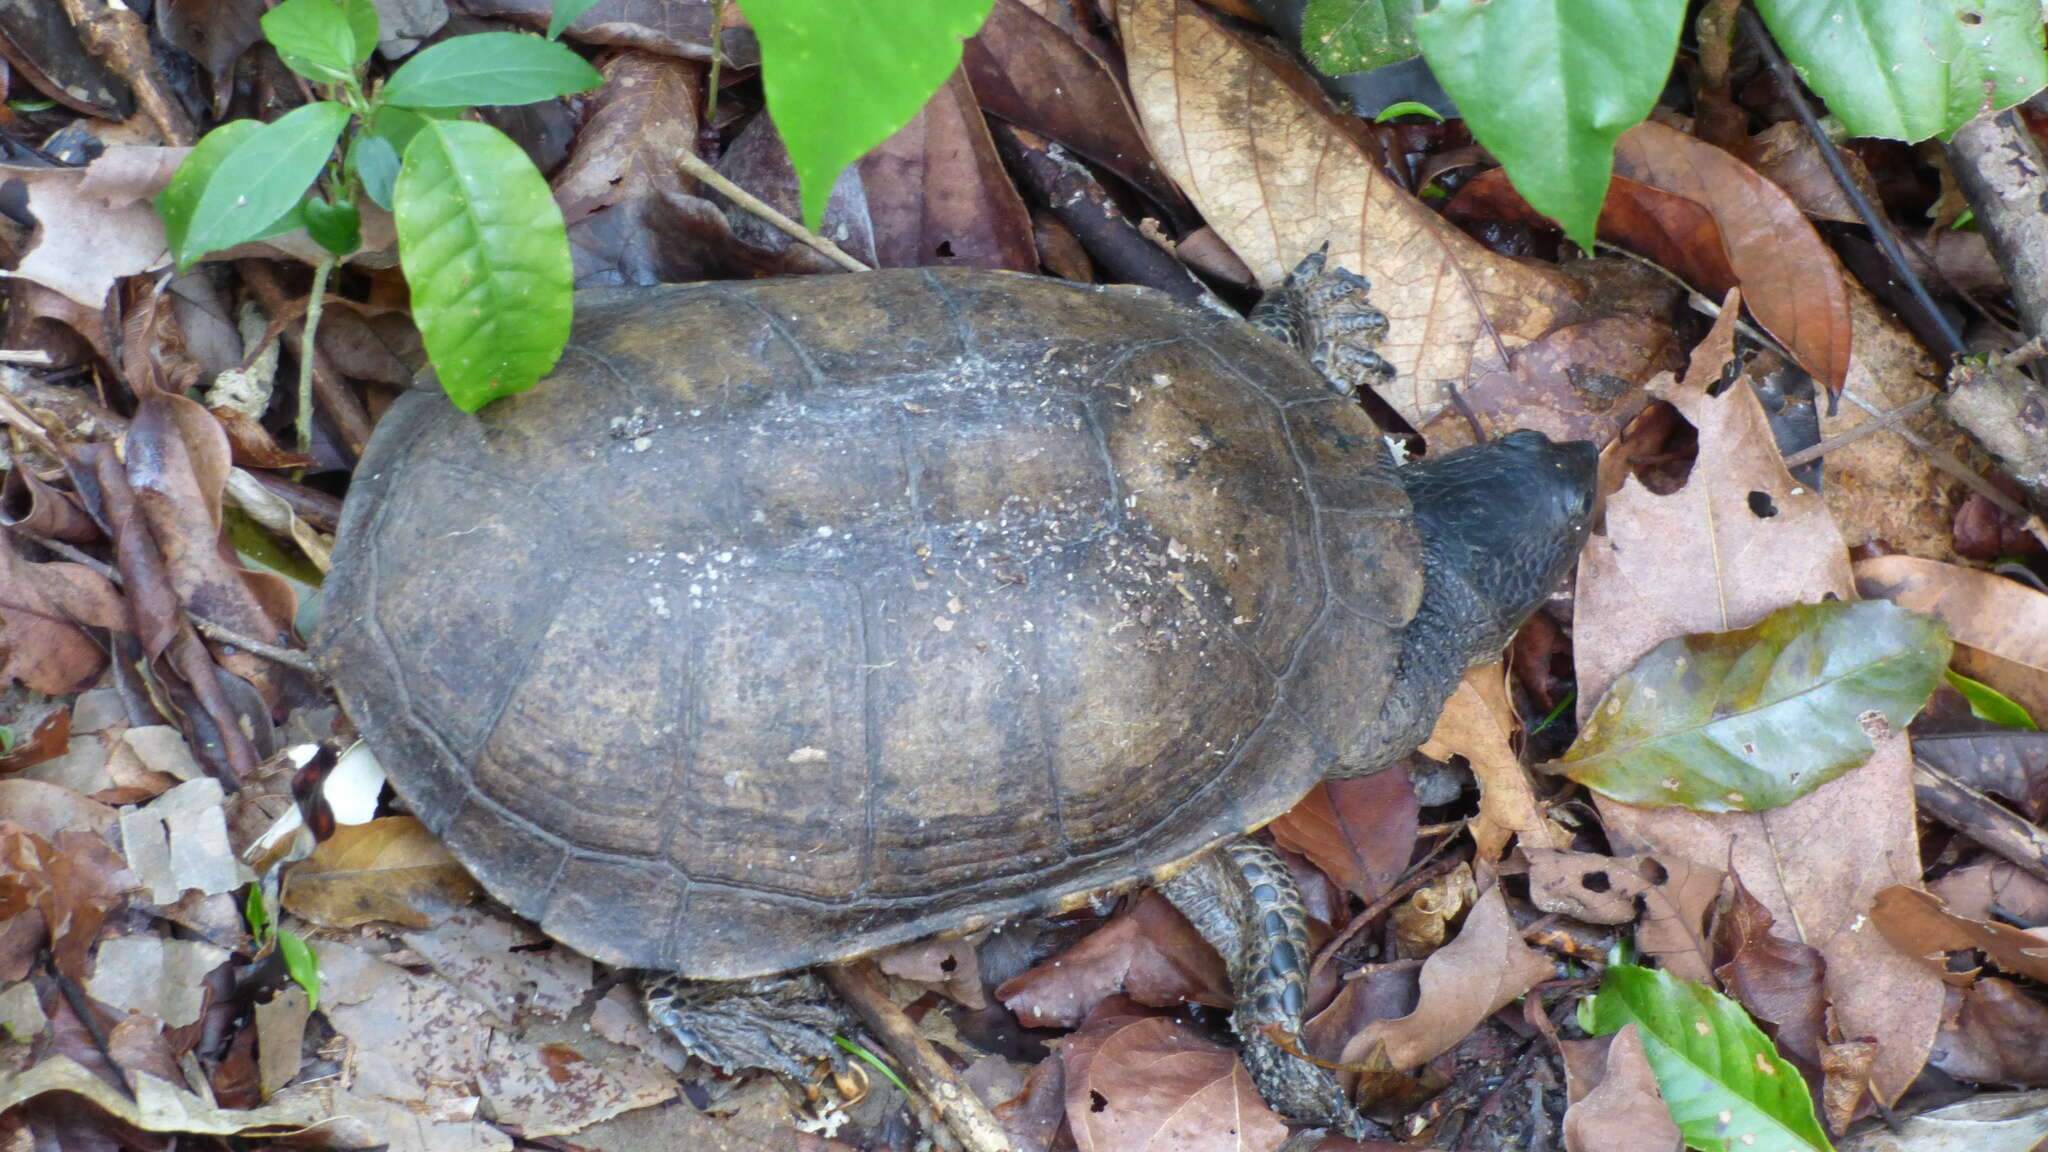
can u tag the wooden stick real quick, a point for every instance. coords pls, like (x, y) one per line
(693, 164)
(1981, 818)
(860, 985)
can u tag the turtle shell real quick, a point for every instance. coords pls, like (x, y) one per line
(792, 619)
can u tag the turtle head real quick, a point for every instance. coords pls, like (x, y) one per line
(1501, 524)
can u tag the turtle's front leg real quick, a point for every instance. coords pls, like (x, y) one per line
(782, 1023)
(1326, 314)
(1244, 901)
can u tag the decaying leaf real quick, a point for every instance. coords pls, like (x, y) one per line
(1139, 1083)
(388, 869)
(1479, 724)
(1148, 951)
(1920, 925)
(1585, 885)
(1464, 982)
(1623, 1112)
(1780, 981)
(1361, 831)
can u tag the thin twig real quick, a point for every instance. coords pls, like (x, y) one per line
(717, 57)
(695, 166)
(289, 657)
(957, 1106)
(1880, 229)
(1814, 452)
(307, 343)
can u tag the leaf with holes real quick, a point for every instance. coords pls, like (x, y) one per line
(487, 257)
(1755, 718)
(1725, 1084)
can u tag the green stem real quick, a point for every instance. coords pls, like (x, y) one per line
(307, 352)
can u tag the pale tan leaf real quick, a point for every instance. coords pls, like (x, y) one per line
(2000, 626)
(389, 869)
(1624, 1112)
(1479, 724)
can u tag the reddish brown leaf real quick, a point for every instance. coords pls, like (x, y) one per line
(1032, 1117)
(50, 739)
(1780, 981)
(1031, 73)
(939, 195)
(947, 963)
(1361, 831)
(1789, 276)
(1372, 994)
(1148, 951)
(41, 609)
(1144, 1084)
(1918, 924)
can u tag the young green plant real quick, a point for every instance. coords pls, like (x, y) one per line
(480, 239)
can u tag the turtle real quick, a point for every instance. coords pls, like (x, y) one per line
(793, 619)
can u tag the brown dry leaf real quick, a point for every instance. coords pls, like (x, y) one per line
(1882, 489)
(1781, 982)
(1995, 888)
(157, 1106)
(1277, 174)
(2000, 626)
(1675, 910)
(2011, 763)
(1786, 153)
(42, 608)
(1740, 539)
(1360, 831)
(60, 889)
(1369, 995)
(94, 225)
(1920, 925)
(1139, 1083)
(1028, 71)
(1585, 885)
(388, 869)
(165, 979)
(49, 738)
(1624, 1112)
(178, 843)
(939, 195)
(1420, 924)
(1788, 274)
(1845, 1082)
(947, 963)
(1486, 967)
(1031, 1118)
(506, 967)
(1479, 724)
(1997, 1034)
(1148, 951)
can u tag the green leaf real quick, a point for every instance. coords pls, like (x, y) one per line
(1340, 36)
(1547, 86)
(362, 20)
(375, 163)
(1910, 69)
(300, 962)
(566, 12)
(256, 176)
(335, 227)
(843, 77)
(7, 739)
(487, 256)
(1756, 718)
(1407, 108)
(489, 68)
(258, 915)
(1991, 705)
(175, 204)
(1726, 1086)
(314, 38)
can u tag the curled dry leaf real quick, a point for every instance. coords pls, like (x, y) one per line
(388, 869)
(1148, 951)
(1256, 146)
(2000, 625)
(1422, 922)
(1624, 1112)
(94, 225)
(1788, 274)
(1702, 560)
(1360, 831)
(1479, 724)
(1920, 925)
(1137, 1083)
(1996, 1034)
(1780, 981)
(1485, 968)
(42, 609)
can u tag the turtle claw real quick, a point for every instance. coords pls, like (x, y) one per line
(784, 1024)
(1326, 313)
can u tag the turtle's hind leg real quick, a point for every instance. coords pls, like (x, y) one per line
(1325, 313)
(1244, 901)
(783, 1023)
